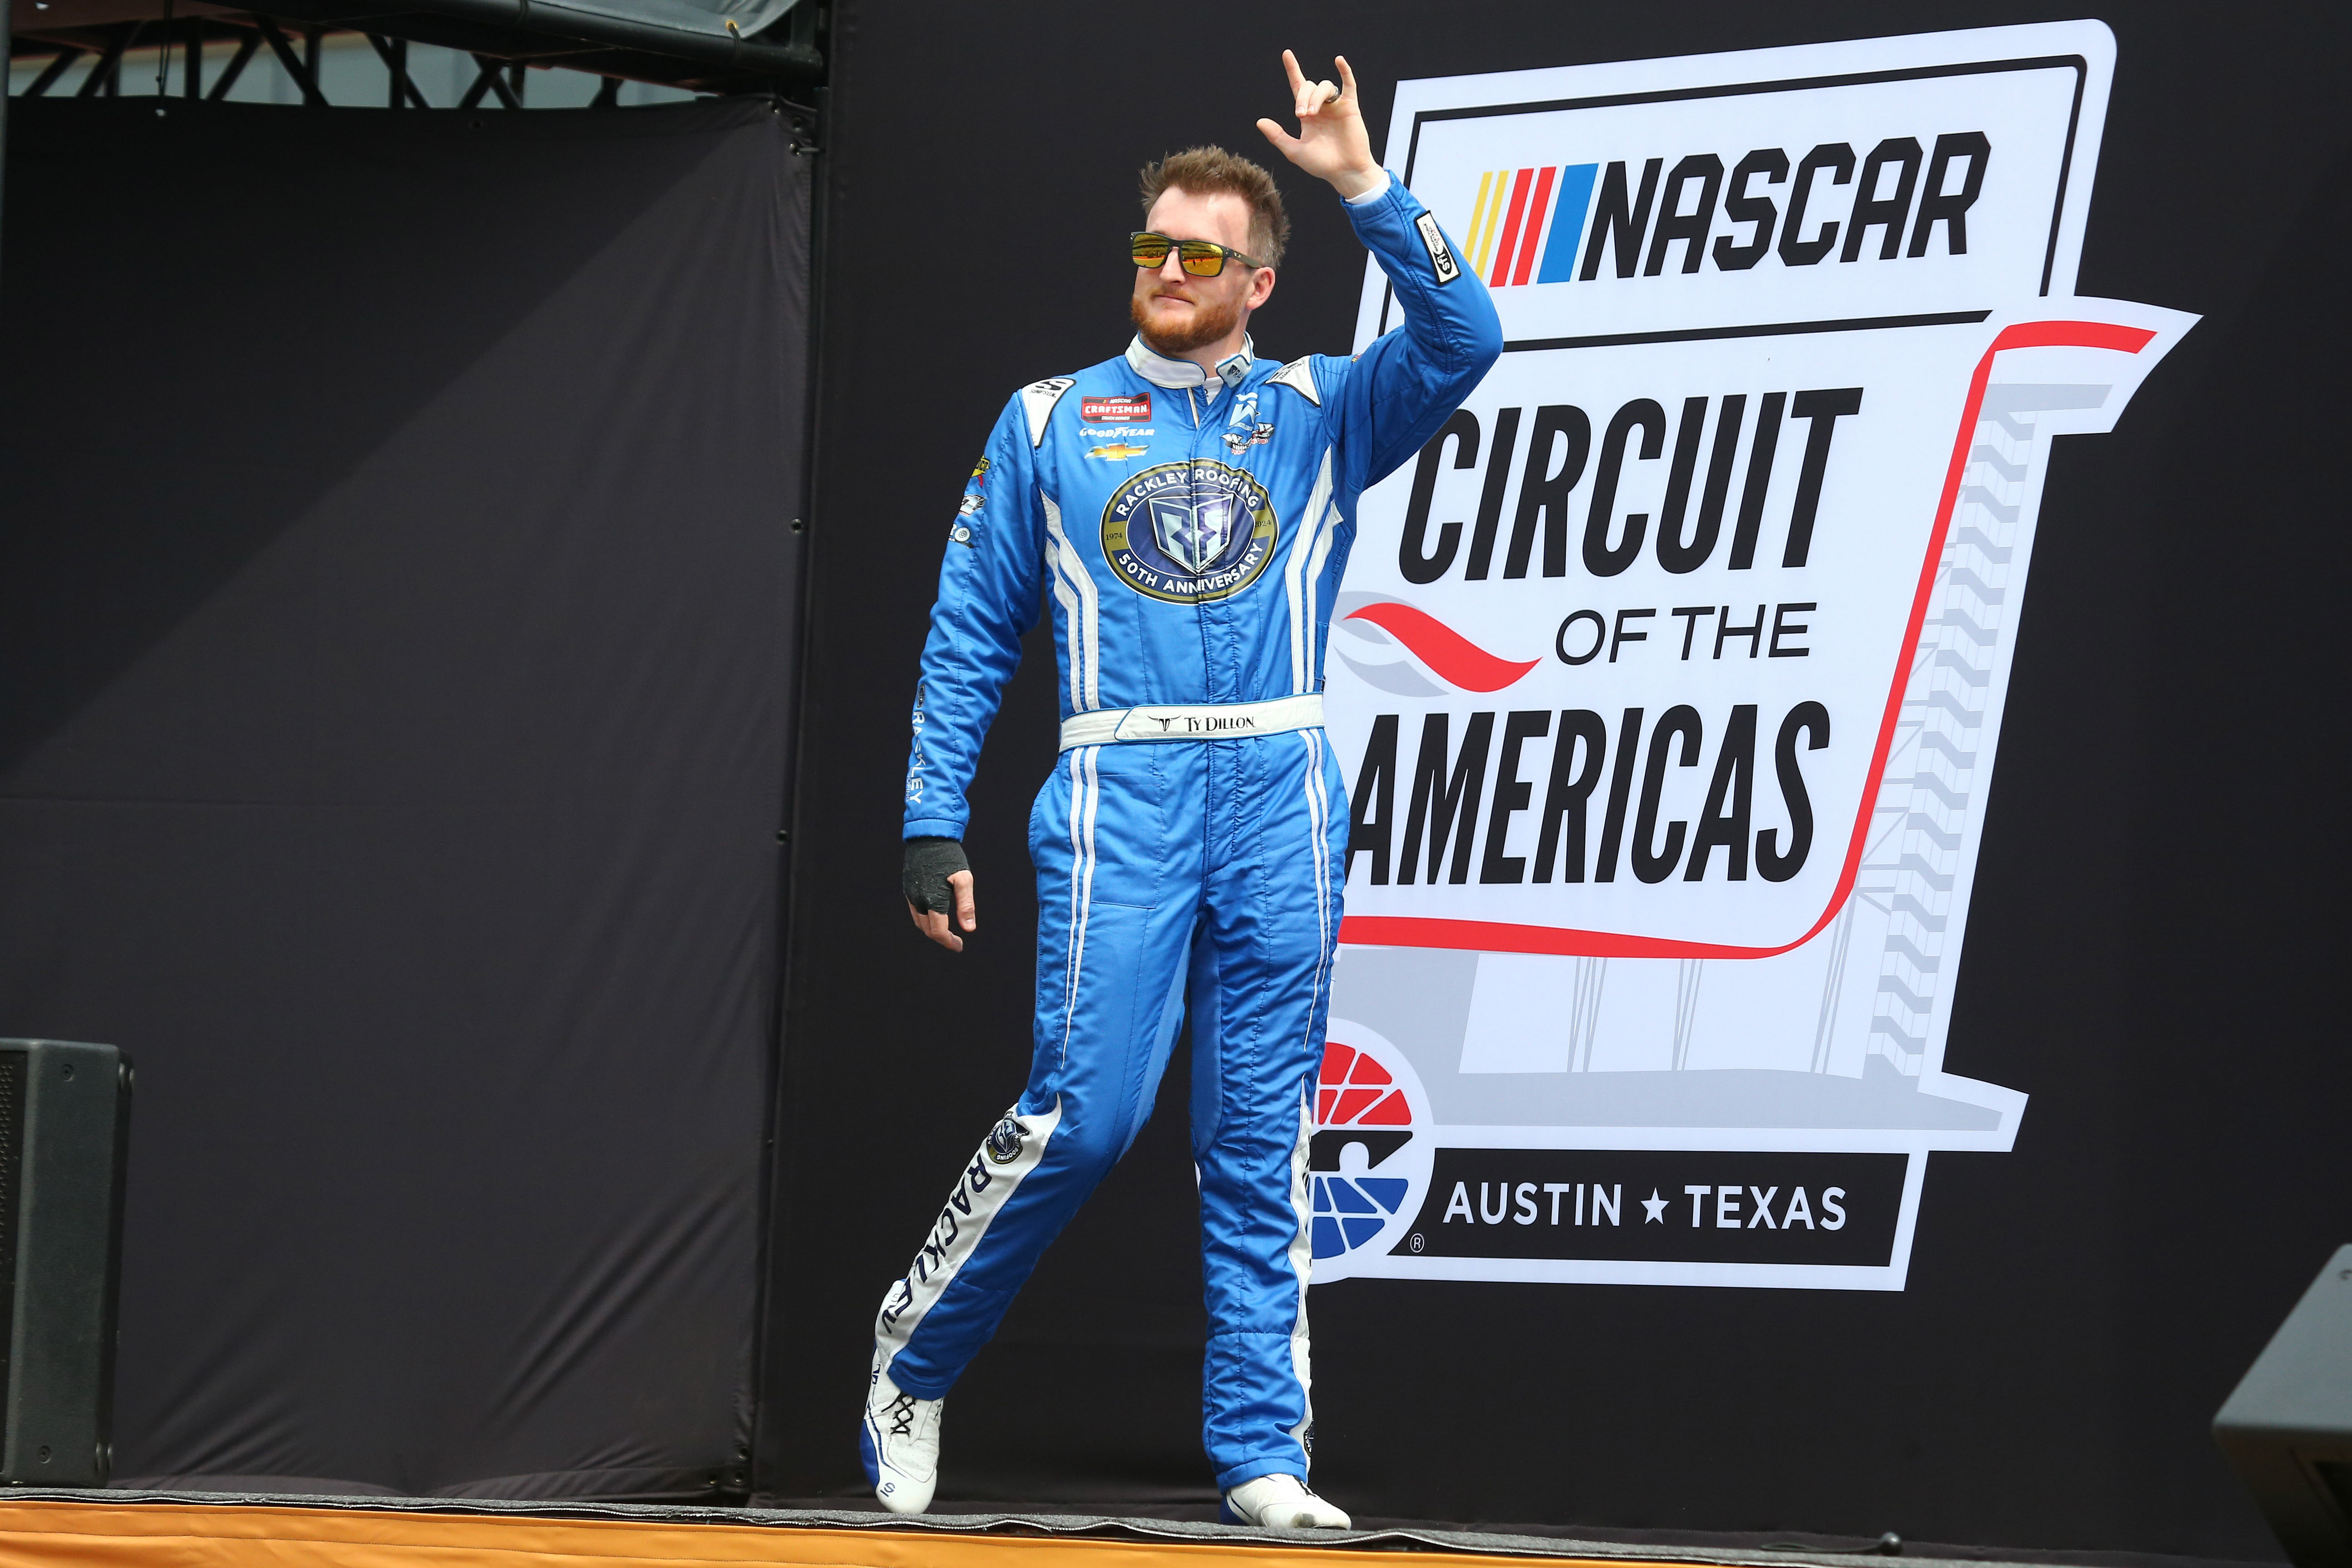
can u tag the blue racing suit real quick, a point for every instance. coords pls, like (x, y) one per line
(1190, 529)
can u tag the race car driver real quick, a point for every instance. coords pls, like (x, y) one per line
(1188, 508)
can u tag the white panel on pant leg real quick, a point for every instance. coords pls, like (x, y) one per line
(1302, 1263)
(1011, 1149)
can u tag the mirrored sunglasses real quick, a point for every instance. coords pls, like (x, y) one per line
(1200, 257)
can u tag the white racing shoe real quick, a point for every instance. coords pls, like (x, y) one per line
(899, 1439)
(1281, 1502)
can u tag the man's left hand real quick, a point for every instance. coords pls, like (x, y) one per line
(1332, 143)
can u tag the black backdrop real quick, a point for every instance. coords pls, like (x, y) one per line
(2151, 951)
(397, 605)
(396, 609)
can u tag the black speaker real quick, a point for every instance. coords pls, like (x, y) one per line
(64, 1120)
(2288, 1428)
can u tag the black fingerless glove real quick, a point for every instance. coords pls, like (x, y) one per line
(930, 863)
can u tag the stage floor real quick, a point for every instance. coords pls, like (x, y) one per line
(221, 1529)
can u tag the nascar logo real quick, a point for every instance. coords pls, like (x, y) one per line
(1526, 224)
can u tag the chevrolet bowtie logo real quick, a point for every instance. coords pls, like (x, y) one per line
(1118, 452)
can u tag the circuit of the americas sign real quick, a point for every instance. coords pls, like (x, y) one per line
(1669, 692)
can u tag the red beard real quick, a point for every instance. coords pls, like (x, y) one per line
(1209, 325)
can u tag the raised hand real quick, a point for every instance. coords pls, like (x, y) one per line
(1332, 143)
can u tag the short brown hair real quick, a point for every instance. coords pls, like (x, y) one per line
(1213, 171)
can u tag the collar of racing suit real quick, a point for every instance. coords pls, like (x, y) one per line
(1176, 373)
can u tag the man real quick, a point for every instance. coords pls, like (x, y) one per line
(1189, 507)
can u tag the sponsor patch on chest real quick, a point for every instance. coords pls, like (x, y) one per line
(1191, 532)
(1116, 410)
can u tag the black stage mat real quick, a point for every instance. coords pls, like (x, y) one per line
(1195, 1523)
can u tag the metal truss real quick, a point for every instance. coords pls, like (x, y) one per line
(504, 38)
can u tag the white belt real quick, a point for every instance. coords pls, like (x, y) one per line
(1196, 722)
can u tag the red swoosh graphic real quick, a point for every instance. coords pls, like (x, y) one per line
(1495, 936)
(1444, 650)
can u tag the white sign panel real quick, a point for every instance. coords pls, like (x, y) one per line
(1669, 678)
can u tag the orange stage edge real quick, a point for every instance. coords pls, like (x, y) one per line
(51, 1534)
